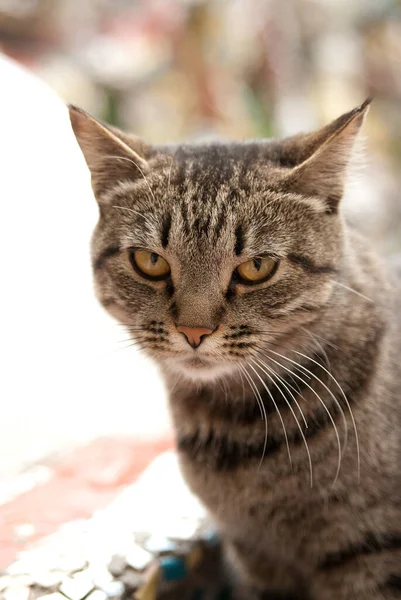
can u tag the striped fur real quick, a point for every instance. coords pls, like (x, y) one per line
(287, 416)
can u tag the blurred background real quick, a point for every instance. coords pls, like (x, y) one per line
(180, 69)
(172, 70)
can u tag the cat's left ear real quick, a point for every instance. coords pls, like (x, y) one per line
(111, 155)
(323, 173)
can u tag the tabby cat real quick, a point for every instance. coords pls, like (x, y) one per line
(277, 333)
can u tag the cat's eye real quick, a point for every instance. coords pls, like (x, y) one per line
(149, 264)
(256, 269)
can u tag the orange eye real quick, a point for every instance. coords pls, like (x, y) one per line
(149, 264)
(257, 269)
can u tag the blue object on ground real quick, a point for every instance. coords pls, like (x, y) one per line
(173, 568)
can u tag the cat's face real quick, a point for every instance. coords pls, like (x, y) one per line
(208, 253)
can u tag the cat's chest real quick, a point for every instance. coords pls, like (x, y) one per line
(279, 518)
(228, 495)
(241, 498)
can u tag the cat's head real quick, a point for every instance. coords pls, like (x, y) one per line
(209, 252)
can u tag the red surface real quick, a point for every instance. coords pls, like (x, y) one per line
(87, 479)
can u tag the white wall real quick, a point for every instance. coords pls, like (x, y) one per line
(64, 377)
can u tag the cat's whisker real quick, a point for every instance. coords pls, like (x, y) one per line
(223, 385)
(261, 407)
(262, 366)
(243, 387)
(324, 407)
(255, 392)
(179, 378)
(324, 340)
(135, 340)
(130, 326)
(283, 383)
(313, 375)
(128, 341)
(347, 404)
(278, 412)
(296, 389)
(320, 347)
(135, 345)
(275, 345)
(349, 289)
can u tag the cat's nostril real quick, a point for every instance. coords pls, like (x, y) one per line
(194, 335)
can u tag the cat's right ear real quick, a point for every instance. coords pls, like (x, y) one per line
(323, 157)
(111, 155)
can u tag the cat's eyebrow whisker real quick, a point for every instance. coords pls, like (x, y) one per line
(261, 406)
(349, 289)
(133, 211)
(139, 169)
(278, 412)
(261, 365)
(324, 406)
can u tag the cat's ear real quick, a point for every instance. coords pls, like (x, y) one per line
(110, 154)
(322, 173)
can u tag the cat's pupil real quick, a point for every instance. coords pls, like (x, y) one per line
(257, 263)
(154, 258)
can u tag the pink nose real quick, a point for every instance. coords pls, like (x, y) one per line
(194, 335)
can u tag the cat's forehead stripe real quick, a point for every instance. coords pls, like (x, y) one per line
(239, 240)
(166, 230)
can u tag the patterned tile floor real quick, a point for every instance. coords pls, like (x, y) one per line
(111, 520)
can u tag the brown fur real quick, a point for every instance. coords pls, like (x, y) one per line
(315, 349)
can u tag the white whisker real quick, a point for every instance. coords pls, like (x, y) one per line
(139, 169)
(319, 345)
(131, 210)
(352, 290)
(324, 406)
(260, 364)
(304, 369)
(243, 387)
(347, 404)
(261, 407)
(256, 393)
(283, 383)
(278, 412)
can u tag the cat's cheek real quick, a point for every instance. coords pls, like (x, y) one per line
(116, 311)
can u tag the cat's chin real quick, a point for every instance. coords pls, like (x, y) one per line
(200, 369)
